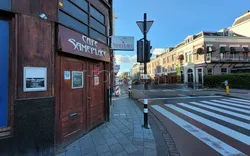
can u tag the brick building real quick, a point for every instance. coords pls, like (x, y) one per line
(54, 88)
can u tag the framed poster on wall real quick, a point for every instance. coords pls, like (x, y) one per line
(77, 79)
(34, 79)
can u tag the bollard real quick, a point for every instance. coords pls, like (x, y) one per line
(227, 87)
(227, 90)
(145, 110)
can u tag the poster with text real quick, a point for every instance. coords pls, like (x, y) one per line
(77, 79)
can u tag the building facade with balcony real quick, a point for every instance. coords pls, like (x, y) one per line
(206, 53)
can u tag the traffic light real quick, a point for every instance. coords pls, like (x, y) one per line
(147, 50)
(140, 53)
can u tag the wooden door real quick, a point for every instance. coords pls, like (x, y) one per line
(96, 94)
(72, 98)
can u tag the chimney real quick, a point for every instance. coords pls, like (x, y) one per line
(246, 12)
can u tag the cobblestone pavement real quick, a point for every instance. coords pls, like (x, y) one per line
(122, 136)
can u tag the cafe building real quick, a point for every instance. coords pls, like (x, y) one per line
(55, 68)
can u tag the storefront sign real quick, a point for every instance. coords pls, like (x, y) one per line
(77, 79)
(70, 41)
(34, 79)
(122, 43)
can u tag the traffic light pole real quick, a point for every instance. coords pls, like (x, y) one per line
(145, 72)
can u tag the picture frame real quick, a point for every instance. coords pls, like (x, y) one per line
(77, 79)
(34, 79)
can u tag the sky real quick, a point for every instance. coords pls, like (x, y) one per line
(174, 20)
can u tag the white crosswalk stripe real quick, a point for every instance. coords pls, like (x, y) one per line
(224, 106)
(222, 110)
(236, 101)
(227, 131)
(218, 116)
(231, 103)
(215, 114)
(211, 141)
(240, 100)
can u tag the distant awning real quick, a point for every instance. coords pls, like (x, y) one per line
(246, 49)
(181, 57)
(199, 51)
(211, 49)
(241, 68)
(224, 49)
(237, 49)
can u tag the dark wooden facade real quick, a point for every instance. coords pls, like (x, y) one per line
(81, 109)
(60, 114)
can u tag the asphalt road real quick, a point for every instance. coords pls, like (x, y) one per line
(203, 125)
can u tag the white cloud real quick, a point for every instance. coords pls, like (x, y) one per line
(125, 59)
(158, 51)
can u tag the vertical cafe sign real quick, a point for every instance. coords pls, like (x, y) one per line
(75, 43)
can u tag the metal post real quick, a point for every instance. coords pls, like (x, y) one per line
(145, 72)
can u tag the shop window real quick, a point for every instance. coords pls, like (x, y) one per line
(81, 3)
(74, 11)
(200, 76)
(98, 26)
(73, 23)
(209, 71)
(96, 35)
(97, 15)
(224, 71)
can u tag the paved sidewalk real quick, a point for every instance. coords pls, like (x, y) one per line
(122, 136)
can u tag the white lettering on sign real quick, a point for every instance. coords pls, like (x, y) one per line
(88, 46)
(123, 45)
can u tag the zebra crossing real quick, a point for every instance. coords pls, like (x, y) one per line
(227, 117)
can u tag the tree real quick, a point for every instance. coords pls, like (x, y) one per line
(124, 75)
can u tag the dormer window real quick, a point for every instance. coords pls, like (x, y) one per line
(189, 39)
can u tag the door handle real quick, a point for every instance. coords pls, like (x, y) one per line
(89, 98)
(73, 115)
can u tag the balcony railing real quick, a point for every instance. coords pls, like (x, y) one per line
(227, 59)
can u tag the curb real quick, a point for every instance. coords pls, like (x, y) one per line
(230, 96)
(169, 145)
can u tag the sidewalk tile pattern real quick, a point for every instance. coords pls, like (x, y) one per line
(122, 136)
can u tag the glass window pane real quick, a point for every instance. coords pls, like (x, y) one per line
(75, 11)
(94, 24)
(96, 14)
(98, 36)
(73, 23)
(81, 3)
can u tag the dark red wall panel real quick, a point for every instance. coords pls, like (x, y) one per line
(35, 49)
